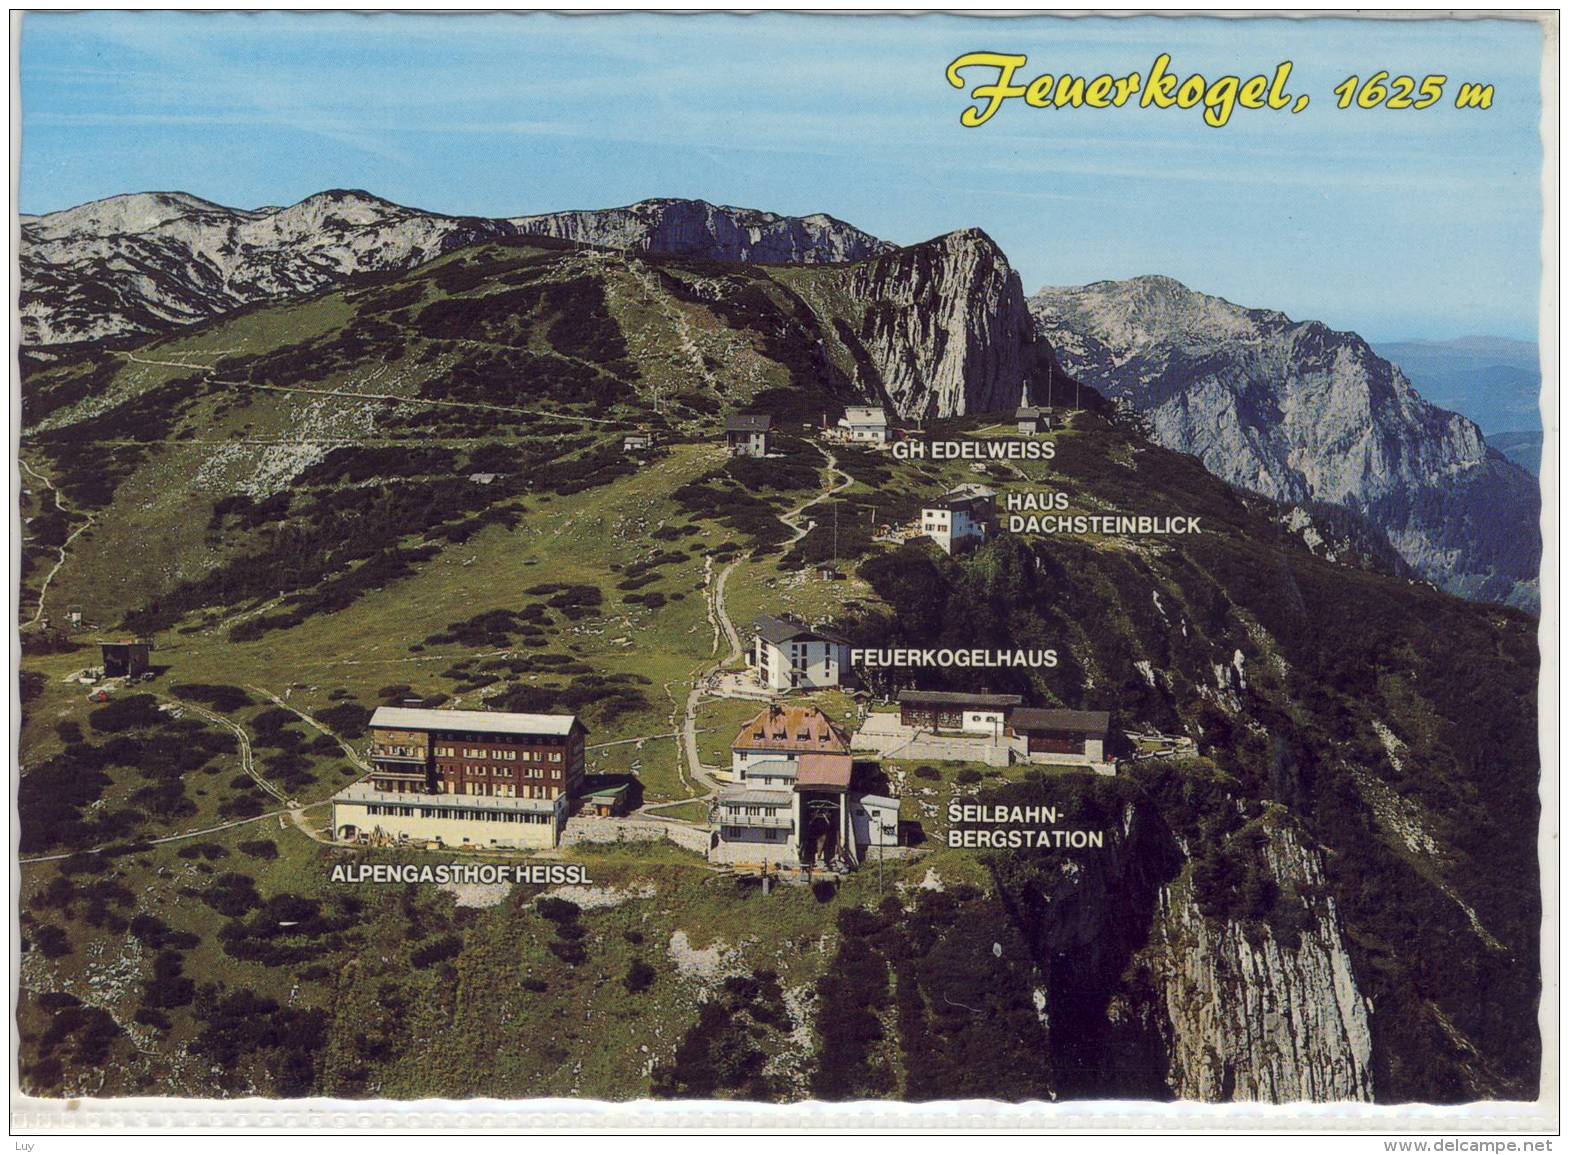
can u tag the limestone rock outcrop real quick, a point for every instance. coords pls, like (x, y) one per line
(1258, 1016)
(148, 261)
(947, 326)
(701, 231)
(1299, 412)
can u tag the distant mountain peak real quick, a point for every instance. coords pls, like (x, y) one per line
(124, 213)
(1301, 412)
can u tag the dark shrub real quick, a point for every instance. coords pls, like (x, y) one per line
(148, 1016)
(225, 699)
(51, 941)
(347, 718)
(640, 976)
(558, 910)
(438, 950)
(232, 895)
(169, 987)
(135, 711)
(571, 953)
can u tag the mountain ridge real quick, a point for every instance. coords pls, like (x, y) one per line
(1300, 412)
(145, 262)
(418, 486)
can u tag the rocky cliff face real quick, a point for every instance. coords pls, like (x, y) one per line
(148, 261)
(1166, 999)
(1299, 412)
(1258, 1016)
(947, 327)
(702, 231)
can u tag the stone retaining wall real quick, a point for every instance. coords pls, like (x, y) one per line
(585, 829)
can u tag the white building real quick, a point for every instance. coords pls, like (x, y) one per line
(1032, 419)
(362, 812)
(792, 804)
(779, 736)
(815, 821)
(961, 518)
(875, 820)
(865, 423)
(789, 655)
(755, 825)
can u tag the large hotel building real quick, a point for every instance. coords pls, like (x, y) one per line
(465, 778)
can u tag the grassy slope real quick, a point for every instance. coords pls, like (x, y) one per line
(1234, 590)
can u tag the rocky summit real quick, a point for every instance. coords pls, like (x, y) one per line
(947, 325)
(699, 230)
(146, 262)
(1299, 412)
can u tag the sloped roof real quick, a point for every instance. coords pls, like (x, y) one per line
(968, 492)
(1073, 721)
(748, 423)
(477, 721)
(781, 630)
(952, 698)
(824, 772)
(792, 730)
(768, 768)
(865, 415)
(755, 796)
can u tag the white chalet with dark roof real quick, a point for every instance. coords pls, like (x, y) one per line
(747, 434)
(789, 655)
(960, 518)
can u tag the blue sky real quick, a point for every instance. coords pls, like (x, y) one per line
(1393, 223)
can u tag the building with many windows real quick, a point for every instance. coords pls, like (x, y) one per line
(794, 802)
(429, 768)
(364, 814)
(790, 655)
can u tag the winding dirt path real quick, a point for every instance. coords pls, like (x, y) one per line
(247, 755)
(320, 727)
(43, 590)
(188, 833)
(805, 527)
(719, 614)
